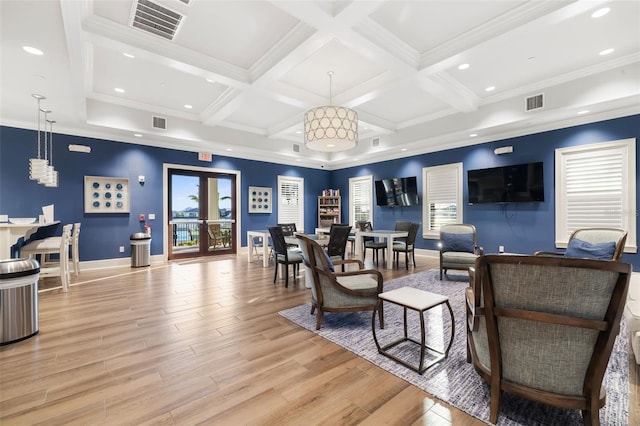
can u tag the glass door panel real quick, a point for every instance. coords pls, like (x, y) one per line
(202, 217)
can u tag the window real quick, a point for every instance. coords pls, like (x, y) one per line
(596, 187)
(361, 200)
(291, 201)
(442, 194)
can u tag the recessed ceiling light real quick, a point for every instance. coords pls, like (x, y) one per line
(32, 50)
(473, 135)
(229, 149)
(210, 80)
(403, 149)
(187, 106)
(128, 55)
(600, 12)
(463, 66)
(606, 52)
(490, 89)
(584, 111)
(298, 132)
(137, 135)
(119, 90)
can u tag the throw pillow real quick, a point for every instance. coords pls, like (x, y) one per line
(456, 242)
(583, 249)
(326, 256)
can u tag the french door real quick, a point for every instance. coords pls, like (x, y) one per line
(202, 214)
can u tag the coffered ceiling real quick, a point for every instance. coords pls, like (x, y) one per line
(235, 77)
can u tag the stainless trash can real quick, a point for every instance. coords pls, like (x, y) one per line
(140, 249)
(18, 299)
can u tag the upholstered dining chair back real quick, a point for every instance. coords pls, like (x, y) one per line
(458, 247)
(288, 229)
(283, 255)
(338, 236)
(551, 324)
(593, 243)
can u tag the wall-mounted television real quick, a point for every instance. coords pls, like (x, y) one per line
(507, 184)
(397, 192)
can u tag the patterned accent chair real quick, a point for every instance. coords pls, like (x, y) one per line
(593, 243)
(458, 247)
(350, 291)
(527, 336)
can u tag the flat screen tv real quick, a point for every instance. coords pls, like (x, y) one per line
(507, 184)
(397, 192)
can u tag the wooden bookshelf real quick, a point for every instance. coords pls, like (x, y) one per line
(329, 210)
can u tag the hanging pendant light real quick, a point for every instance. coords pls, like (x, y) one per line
(52, 172)
(45, 176)
(331, 128)
(37, 166)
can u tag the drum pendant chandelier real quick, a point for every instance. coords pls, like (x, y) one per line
(330, 128)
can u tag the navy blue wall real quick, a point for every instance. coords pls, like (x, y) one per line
(520, 227)
(103, 234)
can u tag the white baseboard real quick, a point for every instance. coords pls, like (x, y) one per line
(120, 262)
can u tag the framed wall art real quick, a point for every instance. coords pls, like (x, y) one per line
(260, 199)
(106, 194)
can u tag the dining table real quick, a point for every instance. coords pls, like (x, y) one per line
(10, 233)
(388, 235)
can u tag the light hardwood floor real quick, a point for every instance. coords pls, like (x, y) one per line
(200, 342)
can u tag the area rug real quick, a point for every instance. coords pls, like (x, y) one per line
(454, 380)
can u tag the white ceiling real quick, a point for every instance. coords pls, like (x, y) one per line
(394, 62)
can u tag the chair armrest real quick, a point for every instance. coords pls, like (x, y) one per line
(348, 261)
(549, 253)
(474, 301)
(479, 250)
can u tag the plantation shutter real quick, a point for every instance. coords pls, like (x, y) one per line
(361, 199)
(595, 188)
(291, 201)
(443, 196)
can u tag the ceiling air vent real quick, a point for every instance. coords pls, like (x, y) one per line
(159, 123)
(535, 102)
(375, 142)
(296, 147)
(156, 19)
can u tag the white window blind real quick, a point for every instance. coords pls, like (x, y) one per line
(595, 187)
(291, 201)
(361, 200)
(442, 187)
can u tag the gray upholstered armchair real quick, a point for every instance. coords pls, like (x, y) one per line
(593, 243)
(331, 291)
(543, 328)
(458, 247)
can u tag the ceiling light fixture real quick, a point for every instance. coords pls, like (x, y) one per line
(606, 52)
(119, 90)
(331, 128)
(463, 66)
(37, 166)
(52, 173)
(128, 55)
(490, 88)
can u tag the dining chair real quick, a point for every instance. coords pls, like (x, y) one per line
(371, 243)
(52, 245)
(338, 237)
(406, 246)
(284, 255)
(258, 243)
